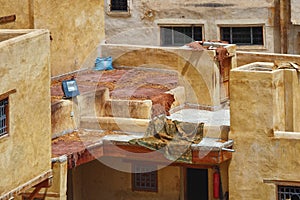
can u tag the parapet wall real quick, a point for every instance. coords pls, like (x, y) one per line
(244, 58)
(198, 70)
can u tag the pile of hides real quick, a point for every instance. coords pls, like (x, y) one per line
(172, 138)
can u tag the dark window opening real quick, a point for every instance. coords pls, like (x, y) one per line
(242, 35)
(119, 5)
(4, 117)
(288, 193)
(197, 184)
(179, 36)
(144, 178)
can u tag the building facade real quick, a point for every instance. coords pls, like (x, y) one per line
(265, 128)
(76, 28)
(264, 26)
(25, 116)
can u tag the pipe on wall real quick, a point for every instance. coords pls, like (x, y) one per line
(284, 21)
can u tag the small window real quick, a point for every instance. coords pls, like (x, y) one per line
(242, 35)
(144, 178)
(119, 5)
(4, 117)
(179, 36)
(288, 193)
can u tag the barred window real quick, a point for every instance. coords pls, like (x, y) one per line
(179, 36)
(288, 193)
(4, 117)
(144, 178)
(119, 5)
(242, 35)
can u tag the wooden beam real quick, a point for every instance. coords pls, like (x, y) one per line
(6, 94)
(28, 185)
(211, 157)
(7, 19)
(142, 153)
(45, 184)
(133, 152)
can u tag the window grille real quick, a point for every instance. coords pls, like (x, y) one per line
(119, 5)
(179, 36)
(3, 117)
(288, 193)
(242, 35)
(144, 178)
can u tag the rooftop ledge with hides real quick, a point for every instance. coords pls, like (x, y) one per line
(155, 100)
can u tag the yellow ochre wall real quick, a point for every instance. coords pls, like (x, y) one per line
(24, 66)
(261, 106)
(94, 180)
(77, 28)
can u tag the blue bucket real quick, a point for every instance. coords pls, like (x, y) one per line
(103, 63)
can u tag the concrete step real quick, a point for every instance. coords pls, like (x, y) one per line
(139, 109)
(115, 124)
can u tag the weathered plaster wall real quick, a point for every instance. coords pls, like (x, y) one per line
(77, 28)
(244, 58)
(25, 66)
(23, 11)
(255, 115)
(295, 9)
(64, 117)
(92, 180)
(197, 70)
(139, 28)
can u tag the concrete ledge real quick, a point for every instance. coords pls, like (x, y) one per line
(287, 135)
(216, 131)
(115, 124)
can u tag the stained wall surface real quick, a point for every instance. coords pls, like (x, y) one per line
(263, 160)
(142, 25)
(76, 27)
(295, 9)
(23, 11)
(25, 153)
